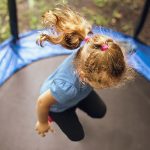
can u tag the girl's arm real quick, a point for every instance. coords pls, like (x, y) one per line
(44, 102)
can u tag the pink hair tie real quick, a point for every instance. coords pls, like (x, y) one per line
(104, 47)
(87, 39)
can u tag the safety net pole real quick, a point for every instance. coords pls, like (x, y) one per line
(13, 19)
(142, 18)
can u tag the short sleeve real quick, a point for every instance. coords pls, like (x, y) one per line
(62, 91)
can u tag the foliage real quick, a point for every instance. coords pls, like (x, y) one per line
(100, 3)
(94, 17)
(4, 21)
(111, 13)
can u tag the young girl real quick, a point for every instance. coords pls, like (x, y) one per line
(99, 64)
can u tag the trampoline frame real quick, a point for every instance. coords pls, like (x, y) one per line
(20, 49)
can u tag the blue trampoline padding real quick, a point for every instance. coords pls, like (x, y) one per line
(14, 57)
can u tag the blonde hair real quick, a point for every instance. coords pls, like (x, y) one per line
(102, 69)
(70, 27)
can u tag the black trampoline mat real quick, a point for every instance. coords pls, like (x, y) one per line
(126, 125)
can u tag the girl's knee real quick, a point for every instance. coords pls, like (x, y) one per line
(99, 114)
(76, 138)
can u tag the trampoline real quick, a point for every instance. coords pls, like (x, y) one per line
(124, 127)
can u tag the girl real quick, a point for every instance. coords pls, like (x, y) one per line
(99, 64)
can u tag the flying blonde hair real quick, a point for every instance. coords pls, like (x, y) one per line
(69, 26)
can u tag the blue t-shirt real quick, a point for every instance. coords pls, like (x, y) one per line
(65, 86)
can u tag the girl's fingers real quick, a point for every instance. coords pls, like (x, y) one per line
(39, 132)
(42, 134)
(47, 130)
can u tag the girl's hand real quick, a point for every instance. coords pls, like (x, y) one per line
(42, 128)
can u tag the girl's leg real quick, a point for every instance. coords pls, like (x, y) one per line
(93, 105)
(69, 124)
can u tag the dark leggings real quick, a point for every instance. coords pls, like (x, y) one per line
(68, 120)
